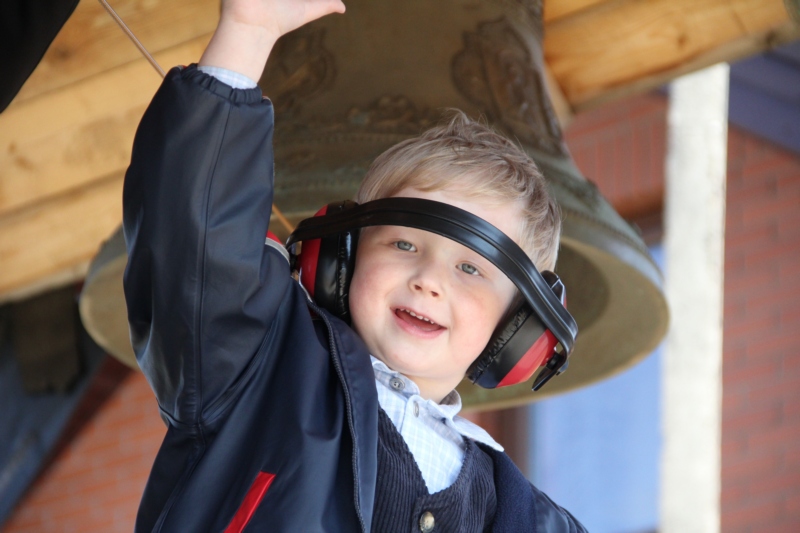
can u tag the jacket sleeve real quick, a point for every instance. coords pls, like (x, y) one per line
(552, 517)
(201, 288)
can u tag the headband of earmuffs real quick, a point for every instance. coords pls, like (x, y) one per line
(537, 330)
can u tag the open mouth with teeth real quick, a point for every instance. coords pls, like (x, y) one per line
(417, 321)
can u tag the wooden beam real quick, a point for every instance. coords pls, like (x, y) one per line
(91, 42)
(617, 47)
(556, 9)
(62, 157)
(55, 143)
(52, 243)
(727, 53)
(561, 105)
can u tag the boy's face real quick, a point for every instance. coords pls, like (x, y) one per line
(458, 297)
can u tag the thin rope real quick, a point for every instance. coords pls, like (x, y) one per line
(121, 23)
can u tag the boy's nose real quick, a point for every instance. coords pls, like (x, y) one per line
(425, 288)
(428, 280)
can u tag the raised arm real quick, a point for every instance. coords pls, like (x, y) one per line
(201, 287)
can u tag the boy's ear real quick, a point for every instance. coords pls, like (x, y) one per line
(326, 265)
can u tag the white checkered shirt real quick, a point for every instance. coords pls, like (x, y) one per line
(229, 77)
(433, 431)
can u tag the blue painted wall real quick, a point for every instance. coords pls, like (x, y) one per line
(596, 451)
(765, 95)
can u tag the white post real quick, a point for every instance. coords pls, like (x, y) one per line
(694, 245)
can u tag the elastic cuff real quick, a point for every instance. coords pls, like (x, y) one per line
(210, 83)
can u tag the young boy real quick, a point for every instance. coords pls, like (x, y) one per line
(281, 417)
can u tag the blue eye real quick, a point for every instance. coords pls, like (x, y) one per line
(405, 246)
(469, 269)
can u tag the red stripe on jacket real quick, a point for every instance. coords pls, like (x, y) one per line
(251, 500)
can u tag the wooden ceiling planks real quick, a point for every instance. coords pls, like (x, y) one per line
(616, 47)
(65, 140)
(51, 243)
(559, 9)
(91, 43)
(62, 159)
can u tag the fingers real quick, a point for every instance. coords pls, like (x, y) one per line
(320, 8)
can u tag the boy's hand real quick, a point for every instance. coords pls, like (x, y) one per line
(248, 29)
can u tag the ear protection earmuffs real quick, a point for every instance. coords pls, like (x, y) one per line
(537, 331)
(326, 264)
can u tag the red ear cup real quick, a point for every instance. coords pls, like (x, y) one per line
(326, 265)
(308, 258)
(519, 346)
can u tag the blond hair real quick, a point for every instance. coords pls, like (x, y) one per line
(470, 158)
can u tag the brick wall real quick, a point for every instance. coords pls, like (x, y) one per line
(621, 147)
(96, 483)
(97, 478)
(761, 365)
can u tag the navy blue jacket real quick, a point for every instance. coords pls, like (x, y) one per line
(271, 409)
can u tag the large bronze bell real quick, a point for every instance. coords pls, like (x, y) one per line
(345, 88)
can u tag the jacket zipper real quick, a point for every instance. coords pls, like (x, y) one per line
(348, 406)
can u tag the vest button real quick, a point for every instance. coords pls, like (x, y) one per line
(426, 522)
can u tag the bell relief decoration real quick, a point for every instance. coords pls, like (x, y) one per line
(301, 69)
(495, 71)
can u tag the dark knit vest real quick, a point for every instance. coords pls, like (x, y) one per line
(401, 497)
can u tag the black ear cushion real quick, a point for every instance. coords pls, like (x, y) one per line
(326, 265)
(504, 331)
(519, 346)
(335, 266)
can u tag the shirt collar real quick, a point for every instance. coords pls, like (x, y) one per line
(447, 410)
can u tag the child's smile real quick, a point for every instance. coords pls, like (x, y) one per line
(416, 323)
(425, 305)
